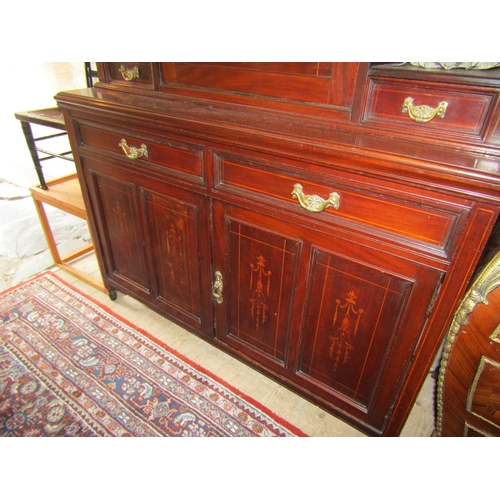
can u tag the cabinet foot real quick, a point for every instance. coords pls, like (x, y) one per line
(112, 294)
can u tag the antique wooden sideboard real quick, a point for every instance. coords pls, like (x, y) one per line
(319, 221)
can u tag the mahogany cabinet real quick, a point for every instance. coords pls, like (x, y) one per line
(318, 221)
(155, 235)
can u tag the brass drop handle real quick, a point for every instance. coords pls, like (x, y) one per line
(423, 113)
(313, 203)
(218, 287)
(129, 74)
(132, 152)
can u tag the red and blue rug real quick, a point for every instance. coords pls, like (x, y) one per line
(70, 367)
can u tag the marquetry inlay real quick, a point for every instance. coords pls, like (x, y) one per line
(345, 327)
(260, 286)
(121, 223)
(173, 249)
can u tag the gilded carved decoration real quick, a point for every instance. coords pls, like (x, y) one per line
(483, 399)
(495, 336)
(486, 282)
(456, 65)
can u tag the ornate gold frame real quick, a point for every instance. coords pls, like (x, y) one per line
(486, 282)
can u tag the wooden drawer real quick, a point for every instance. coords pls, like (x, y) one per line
(428, 109)
(133, 74)
(386, 209)
(167, 155)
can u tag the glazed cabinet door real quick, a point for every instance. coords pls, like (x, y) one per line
(155, 241)
(335, 317)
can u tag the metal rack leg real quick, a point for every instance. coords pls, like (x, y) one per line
(28, 134)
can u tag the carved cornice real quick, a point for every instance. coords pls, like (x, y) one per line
(486, 282)
(456, 65)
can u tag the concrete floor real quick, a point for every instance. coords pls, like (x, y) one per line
(23, 248)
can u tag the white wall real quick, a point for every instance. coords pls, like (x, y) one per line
(26, 86)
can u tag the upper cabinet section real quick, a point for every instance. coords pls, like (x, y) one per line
(318, 88)
(311, 82)
(431, 114)
(430, 104)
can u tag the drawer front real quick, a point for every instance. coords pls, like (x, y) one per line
(421, 109)
(139, 74)
(178, 158)
(385, 210)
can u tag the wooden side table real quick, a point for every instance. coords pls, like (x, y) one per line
(63, 193)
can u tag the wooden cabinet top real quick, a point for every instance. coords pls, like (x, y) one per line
(433, 127)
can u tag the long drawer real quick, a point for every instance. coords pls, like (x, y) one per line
(174, 157)
(382, 208)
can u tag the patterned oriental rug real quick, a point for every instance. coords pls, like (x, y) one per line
(70, 367)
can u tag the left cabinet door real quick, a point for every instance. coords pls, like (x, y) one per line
(155, 241)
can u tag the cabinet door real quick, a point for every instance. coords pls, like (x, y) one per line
(259, 264)
(363, 315)
(337, 318)
(179, 249)
(155, 241)
(116, 202)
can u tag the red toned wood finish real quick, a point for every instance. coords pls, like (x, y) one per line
(320, 83)
(346, 306)
(466, 112)
(469, 379)
(324, 318)
(432, 224)
(472, 103)
(154, 241)
(142, 76)
(171, 156)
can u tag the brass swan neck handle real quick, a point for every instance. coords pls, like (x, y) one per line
(314, 203)
(129, 74)
(423, 113)
(132, 152)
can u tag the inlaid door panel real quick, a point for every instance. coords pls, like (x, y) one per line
(338, 318)
(350, 325)
(362, 321)
(259, 276)
(119, 219)
(156, 242)
(179, 247)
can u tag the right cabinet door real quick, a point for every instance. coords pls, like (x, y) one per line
(324, 311)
